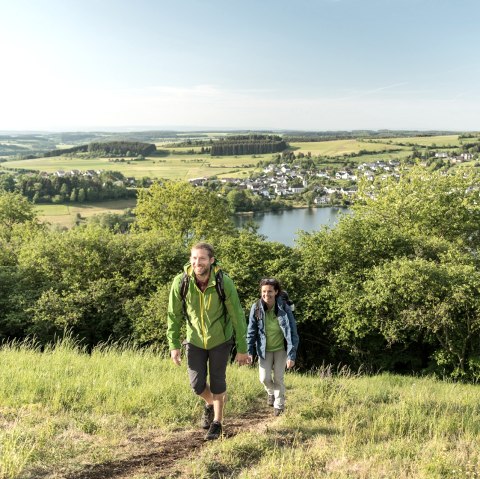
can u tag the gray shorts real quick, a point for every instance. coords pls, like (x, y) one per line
(216, 358)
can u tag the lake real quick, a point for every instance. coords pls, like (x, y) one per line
(282, 226)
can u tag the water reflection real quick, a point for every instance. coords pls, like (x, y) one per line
(282, 226)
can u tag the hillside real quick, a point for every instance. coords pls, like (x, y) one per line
(121, 413)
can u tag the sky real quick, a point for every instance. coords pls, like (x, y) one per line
(317, 65)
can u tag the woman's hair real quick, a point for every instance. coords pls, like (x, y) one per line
(271, 282)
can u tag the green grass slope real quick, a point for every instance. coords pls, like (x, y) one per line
(63, 411)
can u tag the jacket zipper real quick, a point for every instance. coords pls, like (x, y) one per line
(202, 322)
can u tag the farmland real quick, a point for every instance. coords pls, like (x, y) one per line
(187, 162)
(65, 215)
(184, 159)
(175, 166)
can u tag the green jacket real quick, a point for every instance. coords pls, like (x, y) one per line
(206, 326)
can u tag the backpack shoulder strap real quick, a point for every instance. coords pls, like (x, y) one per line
(219, 285)
(183, 292)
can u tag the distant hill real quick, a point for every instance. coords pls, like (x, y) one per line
(108, 148)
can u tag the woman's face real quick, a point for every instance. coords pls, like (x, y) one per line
(268, 295)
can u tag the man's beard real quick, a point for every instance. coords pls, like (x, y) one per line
(201, 270)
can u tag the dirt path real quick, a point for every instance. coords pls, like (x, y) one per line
(158, 458)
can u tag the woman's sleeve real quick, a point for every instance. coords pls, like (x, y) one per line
(252, 331)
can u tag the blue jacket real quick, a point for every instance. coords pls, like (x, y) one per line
(256, 338)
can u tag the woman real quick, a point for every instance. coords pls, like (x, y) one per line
(272, 334)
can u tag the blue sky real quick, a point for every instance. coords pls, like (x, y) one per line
(252, 64)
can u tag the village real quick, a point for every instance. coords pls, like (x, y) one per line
(328, 187)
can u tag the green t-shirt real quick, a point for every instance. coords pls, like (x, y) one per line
(273, 332)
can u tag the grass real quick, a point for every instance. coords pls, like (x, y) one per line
(174, 166)
(340, 147)
(361, 427)
(62, 408)
(439, 141)
(64, 215)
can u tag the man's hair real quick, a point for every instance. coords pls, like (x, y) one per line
(271, 282)
(207, 247)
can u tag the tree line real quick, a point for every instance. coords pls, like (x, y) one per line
(122, 148)
(394, 286)
(309, 136)
(42, 188)
(248, 145)
(103, 148)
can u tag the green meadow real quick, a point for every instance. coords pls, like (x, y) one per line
(174, 166)
(341, 147)
(64, 412)
(441, 141)
(65, 215)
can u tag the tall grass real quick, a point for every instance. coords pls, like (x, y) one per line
(64, 403)
(349, 426)
(63, 406)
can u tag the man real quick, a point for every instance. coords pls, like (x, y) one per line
(211, 323)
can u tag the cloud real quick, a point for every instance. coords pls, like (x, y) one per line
(63, 106)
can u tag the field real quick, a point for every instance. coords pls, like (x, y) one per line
(65, 215)
(341, 147)
(126, 413)
(175, 166)
(180, 165)
(439, 141)
(346, 147)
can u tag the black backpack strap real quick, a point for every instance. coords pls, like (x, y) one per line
(183, 293)
(221, 292)
(219, 286)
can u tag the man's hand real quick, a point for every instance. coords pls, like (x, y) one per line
(242, 358)
(290, 364)
(176, 356)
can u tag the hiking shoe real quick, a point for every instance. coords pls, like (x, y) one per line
(270, 400)
(277, 411)
(214, 432)
(207, 416)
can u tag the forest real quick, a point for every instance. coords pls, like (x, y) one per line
(393, 287)
(248, 145)
(69, 188)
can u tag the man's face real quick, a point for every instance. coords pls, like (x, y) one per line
(201, 262)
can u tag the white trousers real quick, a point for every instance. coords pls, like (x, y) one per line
(272, 371)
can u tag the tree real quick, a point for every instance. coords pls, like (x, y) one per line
(395, 285)
(15, 208)
(84, 281)
(238, 201)
(7, 182)
(64, 190)
(439, 300)
(180, 210)
(247, 258)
